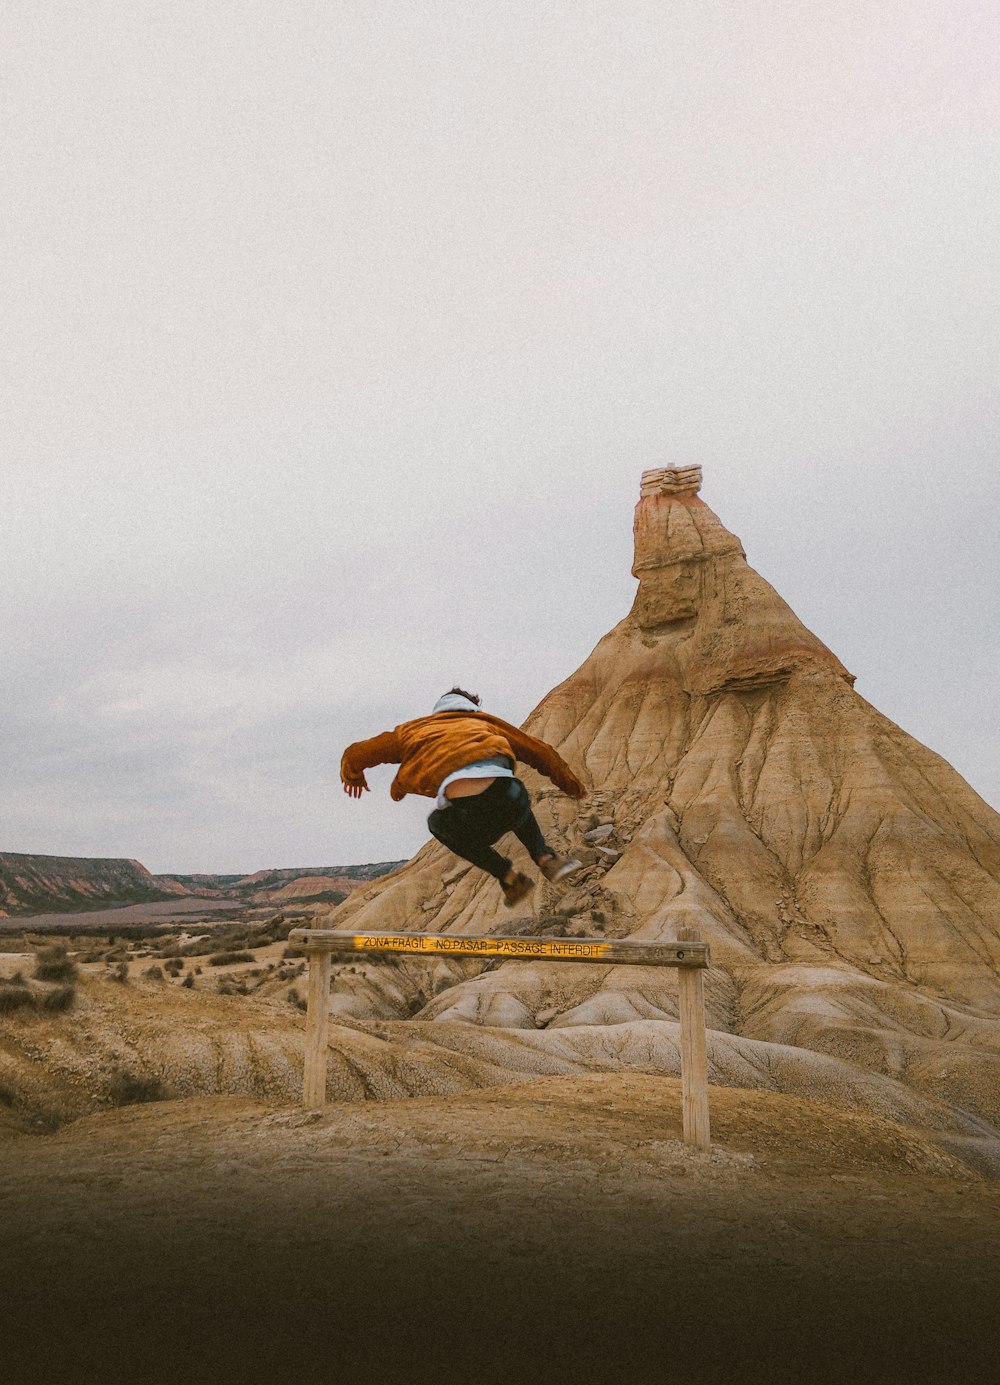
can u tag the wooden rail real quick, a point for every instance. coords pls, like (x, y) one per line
(688, 954)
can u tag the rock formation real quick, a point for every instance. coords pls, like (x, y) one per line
(846, 877)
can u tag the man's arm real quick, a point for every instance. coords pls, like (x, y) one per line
(362, 755)
(541, 756)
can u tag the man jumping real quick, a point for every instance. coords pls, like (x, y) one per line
(464, 757)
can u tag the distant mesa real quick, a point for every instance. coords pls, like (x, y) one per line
(60, 884)
(36, 884)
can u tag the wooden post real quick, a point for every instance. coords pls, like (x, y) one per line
(317, 1017)
(694, 1057)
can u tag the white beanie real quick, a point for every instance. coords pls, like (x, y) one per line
(455, 702)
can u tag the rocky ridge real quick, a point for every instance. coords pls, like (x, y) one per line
(36, 884)
(32, 884)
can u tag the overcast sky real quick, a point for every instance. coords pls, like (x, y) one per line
(337, 336)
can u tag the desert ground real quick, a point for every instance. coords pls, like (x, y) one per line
(548, 1228)
(553, 1230)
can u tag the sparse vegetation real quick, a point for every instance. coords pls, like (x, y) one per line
(119, 972)
(16, 998)
(295, 999)
(276, 931)
(95, 954)
(234, 938)
(53, 963)
(224, 959)
(153, 973)
(188, 981)
(58, 998)
(134, 933)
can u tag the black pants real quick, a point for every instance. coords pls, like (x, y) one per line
(469, 826)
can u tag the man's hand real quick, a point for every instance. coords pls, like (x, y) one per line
(356, 790)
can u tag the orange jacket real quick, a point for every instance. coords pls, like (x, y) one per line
(430, 748)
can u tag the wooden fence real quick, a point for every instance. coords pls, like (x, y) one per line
(688, 954)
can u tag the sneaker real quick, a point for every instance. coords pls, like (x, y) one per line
(517, 889)
(557, 866)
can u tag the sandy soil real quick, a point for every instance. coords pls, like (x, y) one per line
(554, 1231)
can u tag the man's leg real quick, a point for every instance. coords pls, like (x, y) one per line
(527, 830)
(471, 825)
(553, 866)
(461, 833)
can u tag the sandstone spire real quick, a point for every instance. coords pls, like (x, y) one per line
(846, 877)
(691, 568)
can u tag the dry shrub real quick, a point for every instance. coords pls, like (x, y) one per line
(188, 980)
(54, 963)
(59, 998)
(16, 998)
(119, 973)
(222, 959)
(295, 999)
(51, 1001)
(153, 973)
(217, 940)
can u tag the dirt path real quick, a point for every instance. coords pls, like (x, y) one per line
(552, 1231)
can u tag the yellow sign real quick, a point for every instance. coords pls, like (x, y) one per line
(485, 947)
